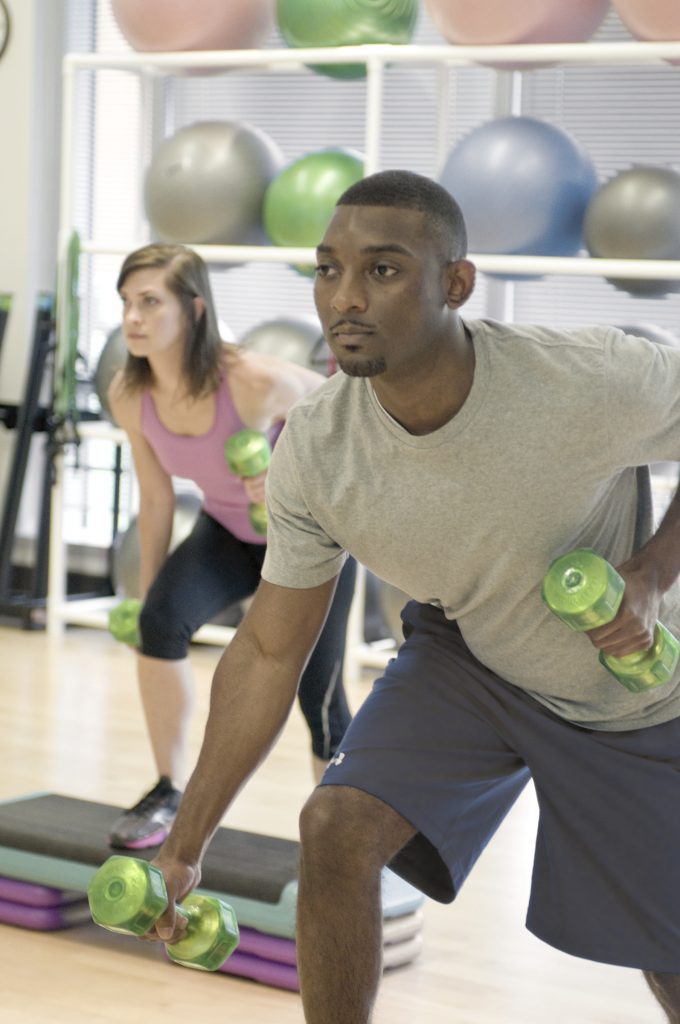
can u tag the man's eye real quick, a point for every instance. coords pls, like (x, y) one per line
(323, 270)
(384, 270)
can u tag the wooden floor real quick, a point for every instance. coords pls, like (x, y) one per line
(70, 723)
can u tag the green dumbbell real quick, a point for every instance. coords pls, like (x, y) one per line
(248, 453)
(128, 895)
(124, 621)
(585, 591)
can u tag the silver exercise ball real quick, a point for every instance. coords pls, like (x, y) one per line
(652, 332)
(636, 216)
(111, 359)
(297, 339)
(391, 600)
(206, 183)
(126, 554)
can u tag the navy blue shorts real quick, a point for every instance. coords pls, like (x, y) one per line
(450, 746)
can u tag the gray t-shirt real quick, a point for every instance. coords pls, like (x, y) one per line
(541, 459)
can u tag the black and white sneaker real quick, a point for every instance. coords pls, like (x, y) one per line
(149, 821)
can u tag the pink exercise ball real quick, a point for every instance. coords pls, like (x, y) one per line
(650, 19)
(167, 25)
(497, 22)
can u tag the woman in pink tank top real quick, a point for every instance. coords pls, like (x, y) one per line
(182, 393)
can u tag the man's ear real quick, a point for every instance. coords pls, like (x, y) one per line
(460, 282)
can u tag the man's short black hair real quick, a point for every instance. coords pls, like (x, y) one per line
(409, 191)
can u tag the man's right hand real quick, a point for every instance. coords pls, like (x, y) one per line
(180, 880)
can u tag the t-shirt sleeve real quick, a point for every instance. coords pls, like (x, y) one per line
(299, 552)
(642, 401)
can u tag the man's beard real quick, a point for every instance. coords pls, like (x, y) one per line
(366, 368)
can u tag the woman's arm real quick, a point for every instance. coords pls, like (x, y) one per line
(264, 387)
(156, 493)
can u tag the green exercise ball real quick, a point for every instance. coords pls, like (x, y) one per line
(305, 23)
(300, 200)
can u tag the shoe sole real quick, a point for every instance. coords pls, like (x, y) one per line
(140, 844)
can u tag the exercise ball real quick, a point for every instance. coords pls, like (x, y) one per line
(306, 23)
(125, 553)
(112, 358)
(523, 186)
(652, 332)
(206, 183)
(497, 22)
(392, 600)
(298, 339)
(165, 25)
(650, 19)
(636, 216)
(299, 202)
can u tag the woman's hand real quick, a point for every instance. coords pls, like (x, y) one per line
(254, 486)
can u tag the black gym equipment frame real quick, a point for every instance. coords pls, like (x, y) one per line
(28, 419)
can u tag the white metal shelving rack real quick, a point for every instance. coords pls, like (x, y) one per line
(151, 67)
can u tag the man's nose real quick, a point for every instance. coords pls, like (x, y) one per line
(350, 294)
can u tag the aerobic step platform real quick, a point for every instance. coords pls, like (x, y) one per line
(60, 841)
(268, 959)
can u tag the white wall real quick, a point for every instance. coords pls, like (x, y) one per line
(30, 76)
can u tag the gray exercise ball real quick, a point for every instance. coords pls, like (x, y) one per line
(652, 332)
(111, 359)
(297, 339)
(392, 600)
(636, 216)
(126, 554)
(206, 183)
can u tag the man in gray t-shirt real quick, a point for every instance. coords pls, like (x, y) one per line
(457, 460)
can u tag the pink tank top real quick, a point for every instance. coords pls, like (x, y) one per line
(201, 459)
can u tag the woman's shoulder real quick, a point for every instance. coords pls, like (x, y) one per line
(260, 371)
(125, 404)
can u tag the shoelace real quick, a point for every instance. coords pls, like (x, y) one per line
(152, 796)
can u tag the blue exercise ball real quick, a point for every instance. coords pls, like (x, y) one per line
(523, 186)
(636, 216)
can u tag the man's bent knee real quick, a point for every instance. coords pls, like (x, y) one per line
(345, 822)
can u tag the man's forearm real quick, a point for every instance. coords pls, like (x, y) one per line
(249, 704)
(659, 558)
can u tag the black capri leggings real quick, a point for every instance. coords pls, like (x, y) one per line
(211, 570)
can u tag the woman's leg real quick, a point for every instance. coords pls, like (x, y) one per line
(210, 570)
(167, 693)
(322, 693)
(666, 988)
